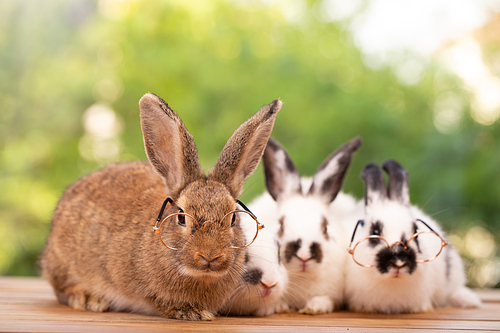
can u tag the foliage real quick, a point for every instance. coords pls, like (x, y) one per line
(216, 63)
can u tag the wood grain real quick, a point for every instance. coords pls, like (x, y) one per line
(29, 305)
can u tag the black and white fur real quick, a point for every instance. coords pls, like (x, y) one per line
(309, 228)
(398, 284)
(265, 278)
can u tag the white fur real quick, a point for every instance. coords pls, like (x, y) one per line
(318, 288)
(257, 300)
(119, 302)
(330, 168)
(367, 290)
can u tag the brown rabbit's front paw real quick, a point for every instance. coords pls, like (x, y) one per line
(189, 312)
(97, 304)
(80, 299)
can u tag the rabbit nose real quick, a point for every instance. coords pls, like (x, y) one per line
(304, 263)
(399, 264)
(208, 259)
(304, 260)
(268, 286)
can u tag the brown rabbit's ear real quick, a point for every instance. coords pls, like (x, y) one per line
(169, 146)
(327, 181)
(242, 152)
(282, 177)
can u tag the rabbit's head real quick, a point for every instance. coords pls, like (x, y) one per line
(264, 280)
(206, 240)
(306, 232)
(395, 241)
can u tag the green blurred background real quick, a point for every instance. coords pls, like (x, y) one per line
(426, 94)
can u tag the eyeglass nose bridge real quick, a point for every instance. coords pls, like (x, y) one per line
(204, 223)
(405, 246)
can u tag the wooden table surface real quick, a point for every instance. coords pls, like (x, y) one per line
(29, 305)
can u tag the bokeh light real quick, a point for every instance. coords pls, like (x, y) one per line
(418, 80)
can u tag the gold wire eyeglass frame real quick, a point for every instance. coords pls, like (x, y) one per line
(430, 231)
(157, 227)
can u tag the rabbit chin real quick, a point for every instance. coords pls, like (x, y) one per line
(375, 292)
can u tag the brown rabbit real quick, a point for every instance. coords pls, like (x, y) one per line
(102, 253)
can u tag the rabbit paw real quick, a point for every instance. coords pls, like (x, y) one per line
(97, 304)
(189, 312)
(318, 305)
(79, 299)
(282, 307)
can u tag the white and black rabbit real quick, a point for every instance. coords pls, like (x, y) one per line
(265, 278)
(308, 213)
(402, 273)
(102, 253)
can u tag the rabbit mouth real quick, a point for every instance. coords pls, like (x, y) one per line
(266, 292)
(206, 269)
(206, 272)
(398, 272)
(300, 266)
(307, 265)
(267, 288)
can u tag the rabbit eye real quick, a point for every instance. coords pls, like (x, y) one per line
(233, 220)
(181, 219)
(376, 228)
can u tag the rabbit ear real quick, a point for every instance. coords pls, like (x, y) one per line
(327, 181)
(398, 182)
(242, 152)
(282, 177)
(375, 189)
(169, 146)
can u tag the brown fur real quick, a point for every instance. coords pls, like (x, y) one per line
(245, 145)
(102, 254)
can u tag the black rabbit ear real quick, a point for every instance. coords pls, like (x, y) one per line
(398, 189)
(375, 189)
(282, 177)
(327, 181)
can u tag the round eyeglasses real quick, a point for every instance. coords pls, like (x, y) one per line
(246, 219)
(427, 244)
